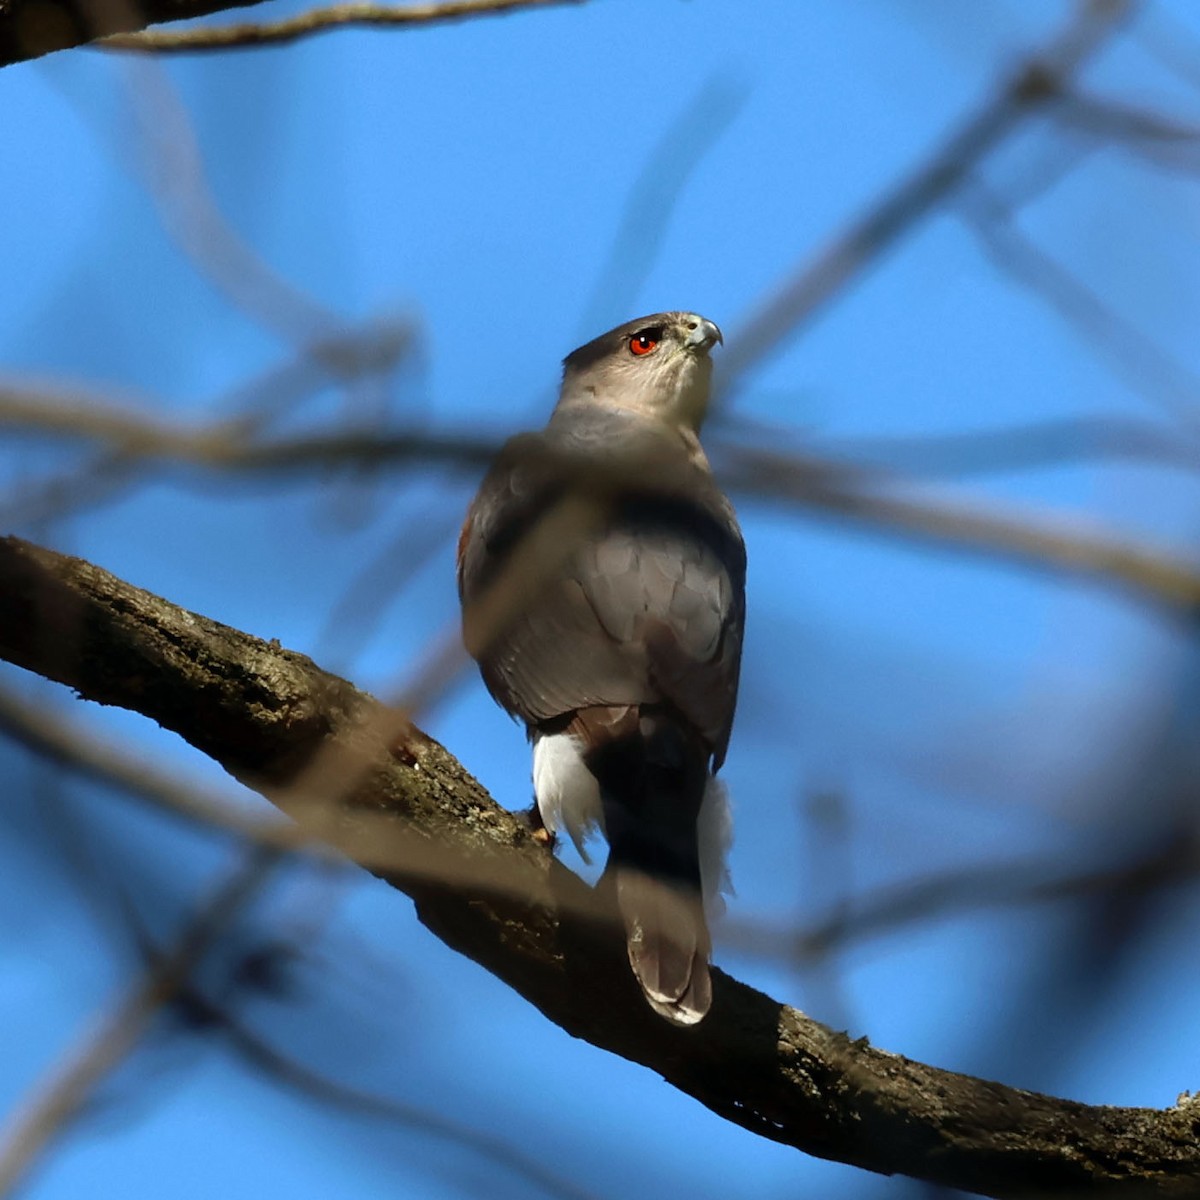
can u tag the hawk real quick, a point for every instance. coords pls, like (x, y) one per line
(619, 644)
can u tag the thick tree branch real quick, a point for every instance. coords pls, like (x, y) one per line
(273, 718)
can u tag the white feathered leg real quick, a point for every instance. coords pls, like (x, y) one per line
(568, 796)
(714, 834)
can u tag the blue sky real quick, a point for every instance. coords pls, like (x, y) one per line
(966, 713)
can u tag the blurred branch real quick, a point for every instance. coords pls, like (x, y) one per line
(167, 157)
(23, 1137)
(1145, 366)
(1056, 441)
(319, 20)
(237, 444)
(31, 28)
(843, 489)
(1172, 42)
(298, 1076)
(122, 428)
(55, 739)
(260, 967)
(229, 444)
(1027, 539)
(1039, 81)
(126, 434)
(264, 712)
(954, 893)
(363, 604)
(1125, 122)
(651, 204)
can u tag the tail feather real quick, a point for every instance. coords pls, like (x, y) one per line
(652, 773)
(668, 943)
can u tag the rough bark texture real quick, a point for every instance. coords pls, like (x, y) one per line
(271, 716)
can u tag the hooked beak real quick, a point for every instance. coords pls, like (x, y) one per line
(703, 336)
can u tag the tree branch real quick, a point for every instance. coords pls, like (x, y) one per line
(31, 28)
(30, 1128)
(864, 494)
(319, 20)
(270, 716)
(1039, 81)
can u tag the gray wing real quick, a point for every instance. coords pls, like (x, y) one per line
(647, 610)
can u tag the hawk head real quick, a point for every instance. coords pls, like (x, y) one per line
(658, 366)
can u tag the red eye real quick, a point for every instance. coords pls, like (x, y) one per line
(642, 343)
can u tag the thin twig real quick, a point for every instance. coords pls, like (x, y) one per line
(1125, 122)
(26, 1133)
(320, 20)
(1051, 442)
(127, 433)
(1030, 539)
(56, 739)
(1138, 359)
(299, 1077)
(653, 199)
(1035, 84)
(950, 895)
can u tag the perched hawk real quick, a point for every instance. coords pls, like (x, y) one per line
(620, 642)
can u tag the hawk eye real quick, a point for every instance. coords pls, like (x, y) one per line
(644, 342)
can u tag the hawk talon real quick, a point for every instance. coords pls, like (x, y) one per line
(537, 827)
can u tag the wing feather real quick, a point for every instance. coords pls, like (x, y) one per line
(648, 609)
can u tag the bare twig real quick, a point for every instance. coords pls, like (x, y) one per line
(227, 444)
(26, 1133)
(58, 740)
(238, 444)
(1142, 363)
(1172, 42)
(1029, 539)
(1051, 442)
(169, 160)
(1125, 122)
(30, 28)
(320, 20)
(299, 1077)
(651, 203)
(129, 434)
(1035, 84)
(953, 893)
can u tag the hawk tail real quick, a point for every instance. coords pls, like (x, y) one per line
(668, 943)
(653, 777)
